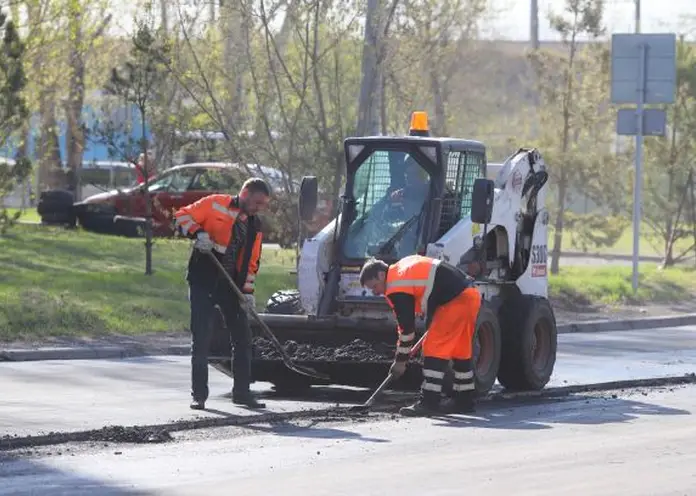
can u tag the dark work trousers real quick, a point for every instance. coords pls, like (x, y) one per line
(202, 308)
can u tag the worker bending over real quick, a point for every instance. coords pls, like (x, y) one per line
(447, 297)
(226, 226)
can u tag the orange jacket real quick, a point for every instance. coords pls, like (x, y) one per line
(414, 275)
(216, 214)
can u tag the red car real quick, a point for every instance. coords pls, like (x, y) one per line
(123, 211)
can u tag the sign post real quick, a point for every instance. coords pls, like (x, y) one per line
(643, 71)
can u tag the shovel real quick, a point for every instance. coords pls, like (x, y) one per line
(365, 406)
(250, 310)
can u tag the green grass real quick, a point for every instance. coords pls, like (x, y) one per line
(649, 244)
(28, 214)
(612, 285)
(56, 282)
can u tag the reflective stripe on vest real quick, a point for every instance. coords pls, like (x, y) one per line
(228, 212)
(427, 284)
(223, 209)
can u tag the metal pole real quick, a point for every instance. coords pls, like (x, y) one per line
(637, 27)
(534, 23)
(638, 182)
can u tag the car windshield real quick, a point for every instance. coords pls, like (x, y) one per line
(176, 181)
(390, 191)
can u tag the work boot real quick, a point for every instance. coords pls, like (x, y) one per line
(419, 409)
(247, 399)
(428, 404)
(461, 403)
(197, 405)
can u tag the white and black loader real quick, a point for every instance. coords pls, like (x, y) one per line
(427, 195)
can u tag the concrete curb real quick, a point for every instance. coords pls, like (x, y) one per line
(119, 352)
(628, 324)
(90, 353)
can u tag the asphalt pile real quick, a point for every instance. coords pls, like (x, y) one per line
(355, 351)
(131, 434)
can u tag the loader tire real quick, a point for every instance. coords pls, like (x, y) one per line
(529, 345)
(285, 302)
(486, 351)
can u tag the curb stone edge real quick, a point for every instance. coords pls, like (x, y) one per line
(119, 352)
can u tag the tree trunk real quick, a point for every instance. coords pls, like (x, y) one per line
(440, 125)
(75, 137)
(48, 148)
(368, 104)
(565, 142)
(276, 54)
(693, 209)
(383, 103)
(558, 226)
(235, 53)
(164, 15)
(148, 198)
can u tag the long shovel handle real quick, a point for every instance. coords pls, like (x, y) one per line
(390, 377)
(269, 334)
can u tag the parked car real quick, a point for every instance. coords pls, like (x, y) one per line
(56, 206)
(122, 211)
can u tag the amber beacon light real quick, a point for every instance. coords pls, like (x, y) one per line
(419, 124)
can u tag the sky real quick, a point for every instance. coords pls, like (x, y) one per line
(656, 16)
(512, 17)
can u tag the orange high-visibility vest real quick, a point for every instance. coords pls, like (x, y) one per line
(216, 215)
(414, 275)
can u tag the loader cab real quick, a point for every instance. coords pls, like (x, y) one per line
(403, 193)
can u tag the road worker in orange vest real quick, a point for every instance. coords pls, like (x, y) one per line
(228, 227)
(418, 285)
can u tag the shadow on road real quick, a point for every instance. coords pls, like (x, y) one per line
(582, 410)
(22, 476)
(312, 431)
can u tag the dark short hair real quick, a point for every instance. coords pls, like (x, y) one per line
(371, 269)
(256, 185)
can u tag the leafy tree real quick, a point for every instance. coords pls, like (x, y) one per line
(12, 111)
(137, 82)
(668, 208)
(575, 120)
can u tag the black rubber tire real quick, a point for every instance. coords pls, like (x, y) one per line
(526, 366)
(285, 302)
(128, 228)
(493, 340)
(488, 329)
(56, 207)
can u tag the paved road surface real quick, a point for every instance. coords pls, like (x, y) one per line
(634, 444)
(89, 394)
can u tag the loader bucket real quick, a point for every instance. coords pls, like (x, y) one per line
(356, 353)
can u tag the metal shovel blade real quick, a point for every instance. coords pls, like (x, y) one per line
(365, 406)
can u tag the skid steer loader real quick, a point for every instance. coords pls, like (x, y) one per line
(427, 195)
